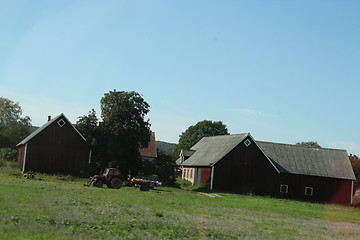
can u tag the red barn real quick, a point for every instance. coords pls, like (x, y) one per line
(238, 163)
(55, 147)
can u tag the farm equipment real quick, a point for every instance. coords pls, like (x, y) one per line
(29, 175)
(144, 184)
(111, 178)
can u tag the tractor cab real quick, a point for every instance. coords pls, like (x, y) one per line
(109, 172)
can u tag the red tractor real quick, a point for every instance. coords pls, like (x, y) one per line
(111, 178)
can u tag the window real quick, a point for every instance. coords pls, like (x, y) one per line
(309, 191)
(247, 142)
(191, 173)
(61, 122)
(284, 188)
(184, 172)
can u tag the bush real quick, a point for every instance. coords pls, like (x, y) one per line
(7, 167)
(181, 182)
(8, 154)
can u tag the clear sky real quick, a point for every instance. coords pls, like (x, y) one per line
(285, 71)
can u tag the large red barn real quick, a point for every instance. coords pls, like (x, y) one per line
(238, 163)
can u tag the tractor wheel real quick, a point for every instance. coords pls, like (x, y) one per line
(116, 183)
(98, 184)
(145, 187)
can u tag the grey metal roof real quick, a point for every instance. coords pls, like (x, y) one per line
(40, 129)
(187, 153)
(209, 150)
(302, 160)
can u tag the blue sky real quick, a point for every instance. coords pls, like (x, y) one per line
(285, 71)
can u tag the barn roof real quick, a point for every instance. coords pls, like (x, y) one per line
(48, 123)
(285, 158)
(209, 150)
(297, 159)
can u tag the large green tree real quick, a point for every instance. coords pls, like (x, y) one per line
(125, 127)
(123, 130)
(89, 127)
(201, 129)
(13, 127)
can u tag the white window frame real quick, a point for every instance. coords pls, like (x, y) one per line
(286, 186)
(247, 142)
(311, 189)
(61, 122)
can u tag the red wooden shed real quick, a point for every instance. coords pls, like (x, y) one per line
(55, 147)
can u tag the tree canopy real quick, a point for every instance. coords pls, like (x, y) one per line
(311, 144)
(355, 163)
(13, 127)
(116, 141)
(201, 129)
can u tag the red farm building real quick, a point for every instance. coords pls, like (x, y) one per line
(150, 152)
(240, 164)
(55, 147)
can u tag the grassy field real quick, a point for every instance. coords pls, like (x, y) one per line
(52, 208)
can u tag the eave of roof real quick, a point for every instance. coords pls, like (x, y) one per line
(44, 126)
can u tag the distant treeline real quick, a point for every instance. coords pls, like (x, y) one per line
(165, 146)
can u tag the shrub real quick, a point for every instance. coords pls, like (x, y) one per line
(8, 154)
(9, 167)
(181, 182)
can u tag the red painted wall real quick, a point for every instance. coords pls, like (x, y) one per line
(343, 193)
(330, 190)
(20, 156)
(205, 177)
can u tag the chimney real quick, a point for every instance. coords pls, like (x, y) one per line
(49, 118)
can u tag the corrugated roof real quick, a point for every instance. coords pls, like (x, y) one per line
(302, 160)
(40, 129)
(209, 150)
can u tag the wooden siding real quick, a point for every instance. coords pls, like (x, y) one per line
(205, 177)
(245, 169)
(20, 156)
(330, 190)
(57, 150)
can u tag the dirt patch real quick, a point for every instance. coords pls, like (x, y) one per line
(209, 194)
(201, 223)
(348, 231)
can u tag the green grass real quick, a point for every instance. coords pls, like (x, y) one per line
(55, 208)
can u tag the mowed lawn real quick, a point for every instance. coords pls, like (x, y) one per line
(50, 208)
